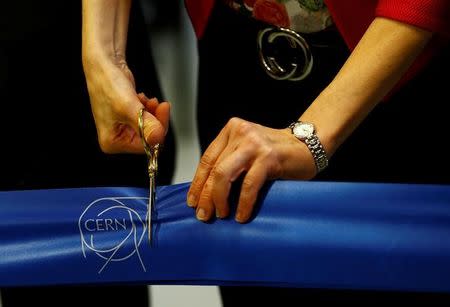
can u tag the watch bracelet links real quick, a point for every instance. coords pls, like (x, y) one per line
(319, 154)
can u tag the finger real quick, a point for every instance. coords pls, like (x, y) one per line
(160, 110)
(162, 113)
(125, 140)
(125, 137)
(154, 132)
(149, 104)
(153, 129)
(205, 165)
(253, 181)
(224, 174)
(142, 96)
(221, 178)
(205, 207)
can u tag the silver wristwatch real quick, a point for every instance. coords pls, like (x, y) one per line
(306, 133)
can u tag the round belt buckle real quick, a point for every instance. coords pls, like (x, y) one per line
(291, 71)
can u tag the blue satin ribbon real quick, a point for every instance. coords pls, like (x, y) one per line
(304, 234)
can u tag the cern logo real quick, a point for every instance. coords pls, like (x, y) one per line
(113, 228)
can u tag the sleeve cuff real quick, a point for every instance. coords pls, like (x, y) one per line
(431, 15)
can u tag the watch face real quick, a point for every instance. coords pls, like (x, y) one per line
(303, 130)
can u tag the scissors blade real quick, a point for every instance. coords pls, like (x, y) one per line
(152, 156)
(151, 205)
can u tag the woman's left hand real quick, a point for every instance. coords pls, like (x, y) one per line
(241, 147)
(263, 153)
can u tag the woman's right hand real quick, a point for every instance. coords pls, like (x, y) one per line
(116, 105)
(114, 101)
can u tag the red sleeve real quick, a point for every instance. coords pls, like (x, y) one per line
(431, 15)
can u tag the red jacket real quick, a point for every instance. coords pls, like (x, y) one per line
(352, 18)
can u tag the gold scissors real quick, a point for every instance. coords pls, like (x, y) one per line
(152, 156)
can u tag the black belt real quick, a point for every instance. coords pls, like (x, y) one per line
(283, 53)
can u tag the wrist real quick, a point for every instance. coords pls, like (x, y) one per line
(298, 162)
(328, 138)
(331, 121)
(97, 59)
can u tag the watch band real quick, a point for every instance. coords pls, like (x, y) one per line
(314, 145)
(318, 153)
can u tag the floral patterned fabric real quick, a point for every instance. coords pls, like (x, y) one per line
(303, 16)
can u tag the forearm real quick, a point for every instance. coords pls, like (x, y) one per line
(104, 29)
(378, 62)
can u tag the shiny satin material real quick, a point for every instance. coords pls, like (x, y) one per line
(305, 234)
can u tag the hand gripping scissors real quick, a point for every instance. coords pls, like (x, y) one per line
(152, 157)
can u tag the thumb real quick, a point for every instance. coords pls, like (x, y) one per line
(159, 110)
(154, 131)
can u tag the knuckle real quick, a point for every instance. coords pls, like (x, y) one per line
(218, 172)
(244, 129)
(207, 189)
(247, 186)
(106, 145)
(234, 121)
(196, 187)
(205, 199)
(207, 160)
(268, 153)
(253, 140)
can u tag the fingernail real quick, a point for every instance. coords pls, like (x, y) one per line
(239, 217)
(201, 214)
(218, 214)
(191, 201)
